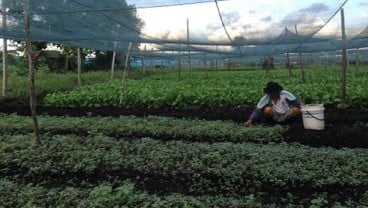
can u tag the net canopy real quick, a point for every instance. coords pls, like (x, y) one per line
(171, 29)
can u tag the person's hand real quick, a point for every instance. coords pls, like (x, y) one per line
(248, 123)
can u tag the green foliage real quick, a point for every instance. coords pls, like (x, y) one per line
(240, 88)
(110, 162)
(43, 68)
(17, 70)
(224, 169)
(106, 195)
(151, 126)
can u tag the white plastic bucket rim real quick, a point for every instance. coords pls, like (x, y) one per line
(313, 116)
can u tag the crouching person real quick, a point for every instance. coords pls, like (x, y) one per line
(277, 104)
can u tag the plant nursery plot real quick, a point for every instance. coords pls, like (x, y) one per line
(185, 146)
(343, 128)
(278, 174)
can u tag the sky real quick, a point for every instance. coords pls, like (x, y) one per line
(256, 19)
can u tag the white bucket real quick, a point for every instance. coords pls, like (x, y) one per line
(313, 116)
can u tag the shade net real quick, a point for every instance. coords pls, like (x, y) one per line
(172, 29)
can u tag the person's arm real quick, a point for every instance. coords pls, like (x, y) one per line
(258, 111)
(254, 116)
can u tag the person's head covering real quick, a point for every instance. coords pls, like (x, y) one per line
(272, 87)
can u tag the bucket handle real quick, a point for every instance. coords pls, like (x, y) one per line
(314, 116)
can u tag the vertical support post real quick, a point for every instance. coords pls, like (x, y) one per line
(288, 65)
(112, 66)
(125, 74)
(357, 58)
(79, 67)
(179, 64)
(5, 68)
(144, 61)
(152, 61)
(31, 76)
(216, 62)
(189, 58)
(301, 61)
(344, 60)
(5, 54)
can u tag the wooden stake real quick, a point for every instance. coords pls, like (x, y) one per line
(301, 61)
(344, 60)
(31, 79)
(112, 66)
(5, 55)
(189, 58)
(79, 68)
(125, 74)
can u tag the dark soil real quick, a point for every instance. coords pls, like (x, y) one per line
(341, 125)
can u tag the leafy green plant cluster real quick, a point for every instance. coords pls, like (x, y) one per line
(164, 128)
(107, 195)
(47, 82)
(230, 88)
(221, 168)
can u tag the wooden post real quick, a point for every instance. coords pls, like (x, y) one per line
(125, 74)
(31, 77)
(79, 68)
(344, 60)
(357, 59)
(152, 61)
(5, 68)
(288, 65)
(216, 63)
(5, 55)
(301, 61)
(112, 65)
(189, 58)
(144, 61)
(179, 66)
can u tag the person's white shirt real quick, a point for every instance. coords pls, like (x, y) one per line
(282, 104)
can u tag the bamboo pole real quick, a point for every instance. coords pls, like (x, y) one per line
(301, 61)
(125, 74)
(113, 65)
(5, 68)
(189, 57)
(344, 60)
(144, 61)
(288, 65)
(5, 55)
(79, 68)
(357, 59)
(31, 78)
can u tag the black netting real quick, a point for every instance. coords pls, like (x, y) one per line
(227, 29)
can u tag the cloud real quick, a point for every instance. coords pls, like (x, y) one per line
(297, 19)
(246, 26)
(267, 19)
(231, 17)
(213, 26)
(315, 8)
(231, 21)
(307, 18)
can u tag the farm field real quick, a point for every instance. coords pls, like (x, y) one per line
(180, 142)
